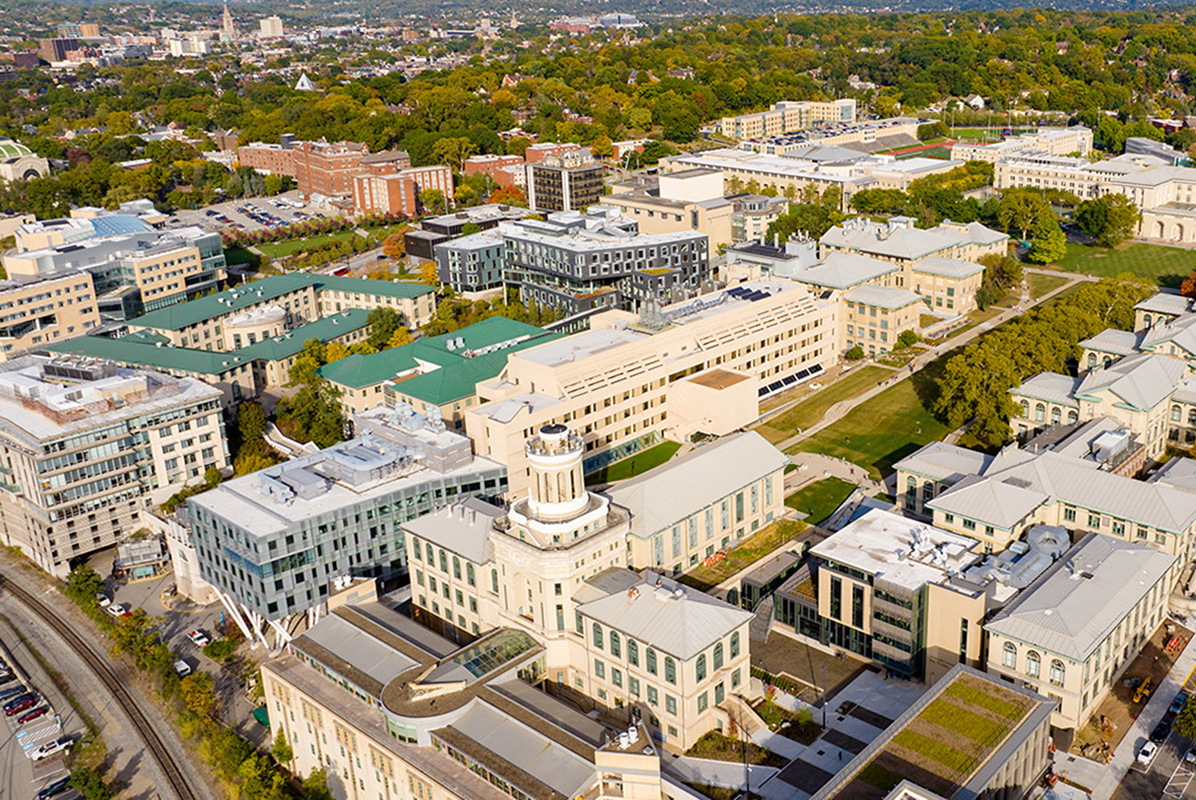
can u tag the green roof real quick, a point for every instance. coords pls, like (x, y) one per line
(13, 149)
(215, 305)
(135, 351)
(456, 375)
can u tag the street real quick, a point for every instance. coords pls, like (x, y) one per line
(1168, 776)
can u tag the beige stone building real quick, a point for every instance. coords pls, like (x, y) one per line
(787, 117)
(1052, 141)
(874, 316)
(1113, 595)
(36, 311)
(86, 446)
(555, 566)
(700, 366)
(689, 200)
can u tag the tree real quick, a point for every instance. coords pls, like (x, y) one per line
(1049, 243)
(401, 337)
(452, 151)
(1185, 723)
(601, 147)
(313, 414)
(393, 246)
(383, 322)
(432, 201)
(89, 784)
(282, 748)
(428, 275)
(855, 353)
(907, 339)
(83, 584)
(335, 351)
(509, 196)
(1022, 210)
(1188, 287)
(1110, 219)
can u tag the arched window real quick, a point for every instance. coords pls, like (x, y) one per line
(1033, 664)
(1091, 360)
(718, 656)
(1025, 410)
(1192, 416)
(1009, 658)
(1108, 361)
(1072, 416)
(700, 667)
(651, 661)
(1146, 320)
(1058, 672)
(633, 652)
(1056, 415)
(1039, 413)
(616, 648)
(597, 637)
(1176, 414)
(670, 669)
(735, 645)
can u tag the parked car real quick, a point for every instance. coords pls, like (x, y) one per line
(1147, 753)
(118, 610)
(51, 748)
(12, 692)
(199, 638)
(1190, 756)
(30, 716)
(18, 699)
(103, 600)
(1163, 729)
(182, 668)
(54, 789)
(23, 705)
(9, 678)
(1177, 705)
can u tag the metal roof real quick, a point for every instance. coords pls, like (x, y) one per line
(462, 528)
(1078, 602)
(371, 656)
(678, 489)
(882, 297)
(668, 616)
(844, 270)
(1141, 381)
(1116, 342)
(1051, 387)
(944, 462)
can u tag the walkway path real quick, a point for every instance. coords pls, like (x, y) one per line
(839, 410)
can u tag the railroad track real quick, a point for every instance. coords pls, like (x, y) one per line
(111, 681)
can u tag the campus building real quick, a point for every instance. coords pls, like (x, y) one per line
(398, 192)
(697, 366)
(568, 181)
(1075, 140)
(688, 200)
(420, 243)
(134, 268)
(555, 567)
(19, 163)
(433, 371)
(271, 306)
(982, 753)
(995, 501)
(574, 263)
(35, 311)
(273, 541)
(689, 508)
(788, 116)
(85, 446)
(331, 169)
(1071, 635)
(871, 136)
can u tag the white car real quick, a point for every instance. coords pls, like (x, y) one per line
(182, 668)
(1147, 753)
(199, 638)
(50, 748)
(103, 600)
(117, 610)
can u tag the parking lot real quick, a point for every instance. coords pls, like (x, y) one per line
(250, 214)
(173, 626)
(21, 775)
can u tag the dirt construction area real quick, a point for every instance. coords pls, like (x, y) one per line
(1114, 716)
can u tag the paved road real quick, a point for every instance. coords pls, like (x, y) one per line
(1168, 776)
(839, 410)
(124, 745)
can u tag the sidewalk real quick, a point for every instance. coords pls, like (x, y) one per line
(1105, 782)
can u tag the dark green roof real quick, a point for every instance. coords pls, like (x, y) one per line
(214, 305)
(134, 351)
(458, 374)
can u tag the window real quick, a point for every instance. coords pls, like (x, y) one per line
(633, 652)
(857, 606)
(1094, 520)
(633, 686)
(597, 637)
(735, 644)
(1033, 664)
(836, 598)
(670, 704)
(616, 676)
(1009, 658)
(734, 679)
(670, 669)
(653, 696)
(651, 661)
(703, 702)
(700, 667)
(616, 649)
(720, 694)
(1058, 672)
(599, 669)
(1069, 515)
(718, 656)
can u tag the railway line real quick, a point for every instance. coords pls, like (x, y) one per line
(122, 696)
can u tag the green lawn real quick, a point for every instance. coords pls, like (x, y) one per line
(634, 465)
(887, 427)
(1043, 284)
(279, 249)
(747, 552)
(820, 499)
(1167, 266)
(237, 255)
(811, 411)
(720, 747)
